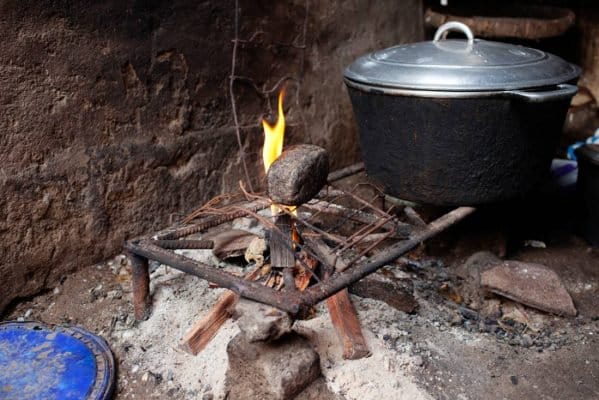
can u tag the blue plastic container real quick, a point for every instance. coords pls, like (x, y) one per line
(38, 362)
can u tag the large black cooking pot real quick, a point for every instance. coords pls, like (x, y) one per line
(459, 121)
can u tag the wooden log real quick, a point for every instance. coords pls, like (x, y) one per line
(298, 174)
(535, 22)
(205, 329)
(347, 325)
(343, 314)
(142, 303)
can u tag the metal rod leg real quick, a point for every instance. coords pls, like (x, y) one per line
(141, 287)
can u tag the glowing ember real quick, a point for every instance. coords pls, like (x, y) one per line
(273, 136)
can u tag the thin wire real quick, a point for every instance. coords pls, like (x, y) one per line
(232, 96)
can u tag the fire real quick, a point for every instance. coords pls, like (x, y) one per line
(273, 136)
(273, 147)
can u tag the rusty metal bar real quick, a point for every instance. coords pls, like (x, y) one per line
(345, 172)
(247, 289)
(184, 244)
(323, 206)
(211, 221)
(342, 193)
(317, 293)
(293, 303)
(141, 286)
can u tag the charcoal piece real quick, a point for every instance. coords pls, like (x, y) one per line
(298, 174)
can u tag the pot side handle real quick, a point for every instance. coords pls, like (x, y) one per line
(562, 92)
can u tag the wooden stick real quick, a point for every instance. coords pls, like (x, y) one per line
(281, 249)
(343, 314)
(347, 325)
(205, 329)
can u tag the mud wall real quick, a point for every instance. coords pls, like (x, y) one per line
(116, 115)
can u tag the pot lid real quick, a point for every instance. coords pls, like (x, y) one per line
(460, 65)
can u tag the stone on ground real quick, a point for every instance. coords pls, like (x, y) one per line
(534, 285)
(260, 322)
(275, 370)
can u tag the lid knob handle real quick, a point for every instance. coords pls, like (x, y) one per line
(453, 26)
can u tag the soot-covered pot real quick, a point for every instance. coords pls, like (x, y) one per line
(459, 121)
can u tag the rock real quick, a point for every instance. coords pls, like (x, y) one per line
(477, 263)
(97, 292)
(286, 366)
(455, 319)
(537, 244)
(115, 294)
(470, 271)
(491, 309)
(534, 285)
(418, 361)
(469, 314)
(526, 341)
(290, 367)
(298, 174)
(259, 322)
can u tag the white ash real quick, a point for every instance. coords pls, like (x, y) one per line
(179, 300)
(387, 374)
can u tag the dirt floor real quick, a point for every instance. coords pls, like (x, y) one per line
(456, 344)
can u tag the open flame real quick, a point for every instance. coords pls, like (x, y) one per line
(273, 142)
(273, 147)
(273, 136)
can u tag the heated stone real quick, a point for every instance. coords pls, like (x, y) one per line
(298, 174)
(259, 322)
(532, 284)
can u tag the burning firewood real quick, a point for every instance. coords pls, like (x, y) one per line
(294, 177)
(303, 275)
(281, 249)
